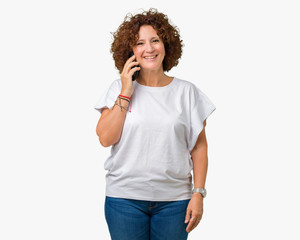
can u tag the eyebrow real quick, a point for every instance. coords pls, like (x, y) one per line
(151, 39)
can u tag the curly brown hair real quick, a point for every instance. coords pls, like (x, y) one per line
(127, 35)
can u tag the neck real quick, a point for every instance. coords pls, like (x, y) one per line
(152, 78)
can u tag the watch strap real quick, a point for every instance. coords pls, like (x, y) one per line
(202, 191)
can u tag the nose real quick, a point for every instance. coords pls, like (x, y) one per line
(149, 47)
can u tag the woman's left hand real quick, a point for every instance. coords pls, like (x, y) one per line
(194, 211)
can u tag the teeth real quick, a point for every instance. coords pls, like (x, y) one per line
(150, 57)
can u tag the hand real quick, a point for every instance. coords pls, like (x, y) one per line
(194, 211)
(126, 75)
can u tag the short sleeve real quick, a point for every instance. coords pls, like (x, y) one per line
(109, 96)
(201, 107)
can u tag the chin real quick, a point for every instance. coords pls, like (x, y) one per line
(151, 68)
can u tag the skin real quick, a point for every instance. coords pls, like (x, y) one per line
(152, 74)
(149, 44)
(200, 163)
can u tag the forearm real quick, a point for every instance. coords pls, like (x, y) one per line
(200, 166)
(109, 129)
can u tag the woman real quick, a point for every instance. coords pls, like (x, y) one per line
(156, 127)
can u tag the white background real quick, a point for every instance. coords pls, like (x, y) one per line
(55, 64)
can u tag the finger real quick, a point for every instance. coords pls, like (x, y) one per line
(190, 225)
(129, 66)
(128, 61)
(131, 72)
(132, 64)
(133, 56)
(193, 223)
(188, 215)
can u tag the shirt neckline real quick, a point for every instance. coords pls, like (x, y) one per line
(156, 88)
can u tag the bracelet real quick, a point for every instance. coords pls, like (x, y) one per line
(121, 106)
(124, 96)
(128, 99)
(124, 99)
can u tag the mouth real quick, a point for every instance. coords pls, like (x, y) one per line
(150, 57)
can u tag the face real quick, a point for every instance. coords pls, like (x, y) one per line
(149, 49)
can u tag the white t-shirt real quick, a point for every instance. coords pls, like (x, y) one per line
(152, 160)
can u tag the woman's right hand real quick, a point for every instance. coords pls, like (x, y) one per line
(126, 76)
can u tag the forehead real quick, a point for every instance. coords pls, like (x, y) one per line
(147, 31)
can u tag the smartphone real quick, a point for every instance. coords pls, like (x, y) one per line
(136, 73)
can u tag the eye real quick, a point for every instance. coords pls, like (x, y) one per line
(140, 43)
(156, 40)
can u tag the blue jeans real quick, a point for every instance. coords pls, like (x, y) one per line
(130, 219)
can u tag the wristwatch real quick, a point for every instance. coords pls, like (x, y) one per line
(202, 191)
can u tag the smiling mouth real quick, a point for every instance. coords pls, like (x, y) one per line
(151, 57)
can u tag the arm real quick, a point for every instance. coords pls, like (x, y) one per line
(200, 160)
(200, 164)
(110, 125)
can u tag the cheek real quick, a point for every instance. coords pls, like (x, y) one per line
(138, 53)
(161, 49)
(135, 50)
